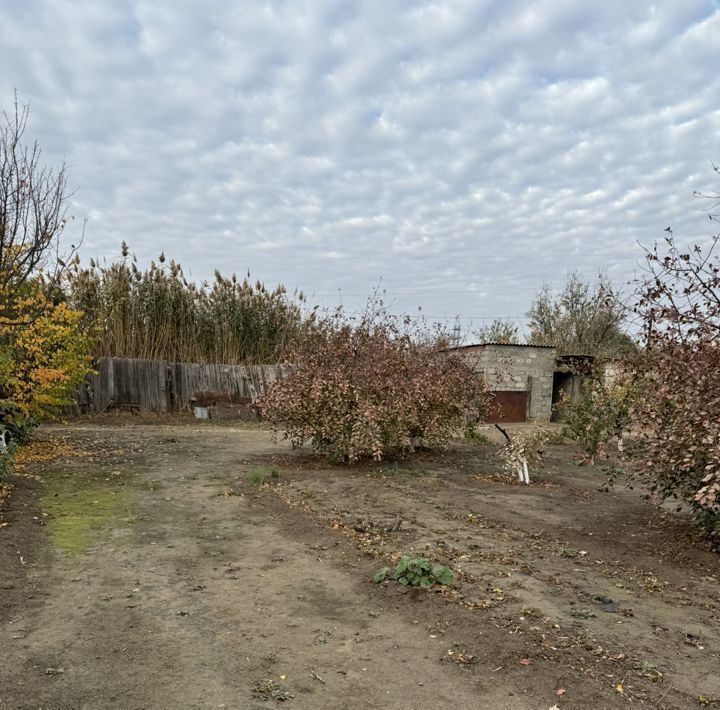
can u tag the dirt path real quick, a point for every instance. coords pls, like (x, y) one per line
(612, 602)
(135, 574)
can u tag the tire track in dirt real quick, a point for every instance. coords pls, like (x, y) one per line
(196, 599)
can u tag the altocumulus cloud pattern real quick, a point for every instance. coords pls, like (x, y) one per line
(462, 152)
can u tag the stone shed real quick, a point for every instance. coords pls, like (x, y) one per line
(521, 377)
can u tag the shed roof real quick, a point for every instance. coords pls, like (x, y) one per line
(505, 345)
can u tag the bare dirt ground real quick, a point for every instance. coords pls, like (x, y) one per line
(141, 568)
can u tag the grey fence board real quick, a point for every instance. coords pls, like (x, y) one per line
(156, 386)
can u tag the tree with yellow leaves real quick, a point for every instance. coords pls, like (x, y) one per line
(43, 354)
(40, 362)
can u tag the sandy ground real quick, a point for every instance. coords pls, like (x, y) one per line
(142, 568)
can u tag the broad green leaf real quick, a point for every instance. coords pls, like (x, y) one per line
(443, 574)
(403, 564)
(380, 575)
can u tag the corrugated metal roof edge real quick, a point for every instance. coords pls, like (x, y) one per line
(507, 345)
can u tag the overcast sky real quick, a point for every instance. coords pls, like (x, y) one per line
(461, 153)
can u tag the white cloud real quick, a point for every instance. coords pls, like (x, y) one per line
(464, 152)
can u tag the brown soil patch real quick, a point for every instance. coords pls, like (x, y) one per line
(190, 587)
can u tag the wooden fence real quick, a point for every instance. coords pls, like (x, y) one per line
(158, 386)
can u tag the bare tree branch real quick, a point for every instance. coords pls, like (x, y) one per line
(33, 214)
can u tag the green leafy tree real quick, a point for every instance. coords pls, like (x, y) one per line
(584, 318)
(499, 331)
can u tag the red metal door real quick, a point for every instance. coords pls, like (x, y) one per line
(508, 406)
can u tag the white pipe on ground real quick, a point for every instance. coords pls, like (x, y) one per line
(526, 474)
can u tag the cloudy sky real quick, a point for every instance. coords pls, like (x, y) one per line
(460, 152)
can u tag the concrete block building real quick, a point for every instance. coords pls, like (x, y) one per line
(520, 376)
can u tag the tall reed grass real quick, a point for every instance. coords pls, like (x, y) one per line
(158, 314)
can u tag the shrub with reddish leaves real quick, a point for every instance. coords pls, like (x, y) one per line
(372, 388)
(677, 416)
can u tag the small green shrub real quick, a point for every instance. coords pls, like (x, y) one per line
(599, 414)
(416, 572)
(258, 475)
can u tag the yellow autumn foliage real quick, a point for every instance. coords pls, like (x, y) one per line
(43, 356)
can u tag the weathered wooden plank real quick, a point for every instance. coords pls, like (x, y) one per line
(156, 386)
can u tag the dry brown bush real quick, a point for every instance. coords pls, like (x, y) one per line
(373, 387)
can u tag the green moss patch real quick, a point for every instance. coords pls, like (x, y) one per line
(78, 509)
